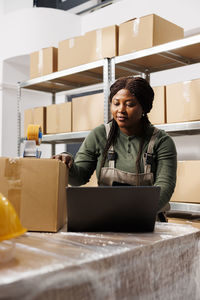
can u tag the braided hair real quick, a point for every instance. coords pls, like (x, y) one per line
(144, 93)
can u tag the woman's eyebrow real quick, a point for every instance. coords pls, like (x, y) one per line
(130, 99)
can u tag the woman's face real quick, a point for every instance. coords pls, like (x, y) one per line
(127, 112)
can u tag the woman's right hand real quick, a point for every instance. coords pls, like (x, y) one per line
(65, 158)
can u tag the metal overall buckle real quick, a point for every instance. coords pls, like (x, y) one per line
(112, 155)
(148, 158)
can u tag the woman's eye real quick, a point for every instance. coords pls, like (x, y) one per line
(130, 104)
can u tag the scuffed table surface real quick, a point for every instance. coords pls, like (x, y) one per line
(159, 265)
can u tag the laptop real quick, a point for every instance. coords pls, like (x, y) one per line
(112, 208)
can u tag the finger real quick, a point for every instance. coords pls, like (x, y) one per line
(58, 157)
(70, 163)
(63, 158)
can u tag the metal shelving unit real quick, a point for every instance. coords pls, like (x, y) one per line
(76, 79)
(144, 62)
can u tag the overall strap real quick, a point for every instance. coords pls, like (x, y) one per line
(147, 159)
(111, 162)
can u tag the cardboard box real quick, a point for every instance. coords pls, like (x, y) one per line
(182, 100)
(193, 223)
(59, 118)
(146, 32)
(187, 186)
(87, 112)
(43, 62)
(92, 46)
(36, 116)
(37, 189)
(157, 114)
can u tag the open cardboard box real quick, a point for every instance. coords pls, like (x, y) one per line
(37, 190)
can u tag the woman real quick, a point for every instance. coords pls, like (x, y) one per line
(129, 149)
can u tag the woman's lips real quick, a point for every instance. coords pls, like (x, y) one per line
(121, 118)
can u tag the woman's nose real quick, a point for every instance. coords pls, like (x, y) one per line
(121, 108)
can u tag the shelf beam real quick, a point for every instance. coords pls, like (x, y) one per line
(193, 208)
(90, 67)
(73, 137)
(180, 128)
(70, 137)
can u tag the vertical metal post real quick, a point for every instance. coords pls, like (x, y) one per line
(18, 119)
(112, 70)
(108, 78)
(53, 146)
(53, 101)
(105, 90)
(53, 149)
(146, 75)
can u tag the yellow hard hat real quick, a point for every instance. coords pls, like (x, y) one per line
(10, 225)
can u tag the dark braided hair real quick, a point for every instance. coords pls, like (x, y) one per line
(144, 93)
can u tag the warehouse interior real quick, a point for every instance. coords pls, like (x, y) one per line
(48, 262)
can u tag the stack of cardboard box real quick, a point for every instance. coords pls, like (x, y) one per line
(136, 34)
(83, 113)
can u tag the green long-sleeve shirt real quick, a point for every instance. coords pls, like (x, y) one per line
(164, 163)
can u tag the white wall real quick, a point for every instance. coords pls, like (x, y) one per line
(22, 32)
(13, 5)
(28, 30)
(182, 12)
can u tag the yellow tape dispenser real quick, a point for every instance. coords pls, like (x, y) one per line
(34, 137)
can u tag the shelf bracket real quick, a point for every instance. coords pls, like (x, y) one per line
(132, 68)
(177, 58)
(146, 75)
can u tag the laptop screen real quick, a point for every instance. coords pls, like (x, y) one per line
(112, 208)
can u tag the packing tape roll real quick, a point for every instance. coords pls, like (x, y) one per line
(34, 132)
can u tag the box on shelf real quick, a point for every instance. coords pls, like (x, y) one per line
(187, 186)
(146, 32)
(36, 188)
(92, 46)
(192, 222)
(87, 112)
(43, 62)
(183, 101)
(59, 118)
(158, 113)
(36, 116)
